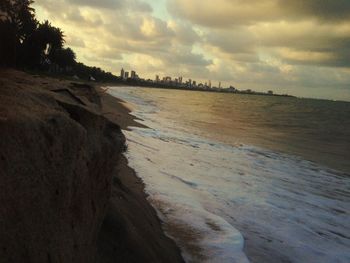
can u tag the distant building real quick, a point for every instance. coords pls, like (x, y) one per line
(232, 89)
(219, 84)
(270, 92)
(133, 74)
(126, 75)
(122, 74)
(157, 78)
(167, 79)
(209, 83)
(180, 80)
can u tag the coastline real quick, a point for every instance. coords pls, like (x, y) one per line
(119, 111)
(242, 184)
(124, 236)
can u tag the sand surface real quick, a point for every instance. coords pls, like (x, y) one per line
(131, 230)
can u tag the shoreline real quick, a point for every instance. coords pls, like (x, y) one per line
(260, 243)
(118, 110)
(129, 190)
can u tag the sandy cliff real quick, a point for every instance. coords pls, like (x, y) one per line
(57, 155)
(60, 177)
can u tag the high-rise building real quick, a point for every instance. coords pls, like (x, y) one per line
(122, 74)
(126, 75)
(157, 78)
(180, 80)
(133, 74)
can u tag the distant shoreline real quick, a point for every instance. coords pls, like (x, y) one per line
(145, 84)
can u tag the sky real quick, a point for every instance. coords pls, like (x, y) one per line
(299, 47)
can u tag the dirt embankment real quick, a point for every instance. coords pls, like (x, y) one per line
(58, 167)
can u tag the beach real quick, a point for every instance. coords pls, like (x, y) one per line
(174, 131)
(131, 231)
(109, 173)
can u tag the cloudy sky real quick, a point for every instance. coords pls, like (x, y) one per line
(299, 47)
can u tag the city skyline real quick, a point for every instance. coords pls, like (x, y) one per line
(294, 47)
(169, 82)
(124, 75)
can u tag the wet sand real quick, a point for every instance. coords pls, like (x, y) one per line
(131, 231)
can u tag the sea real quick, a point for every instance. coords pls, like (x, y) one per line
(244, 178)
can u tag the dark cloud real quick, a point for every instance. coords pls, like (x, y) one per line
(326, 10)
(236, 41)
(224, 13)
(135, 5)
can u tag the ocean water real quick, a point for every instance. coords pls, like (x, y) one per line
(245, 178)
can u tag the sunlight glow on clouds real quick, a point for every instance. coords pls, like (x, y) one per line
(289, 46)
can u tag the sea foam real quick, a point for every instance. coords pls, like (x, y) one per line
(286, 208)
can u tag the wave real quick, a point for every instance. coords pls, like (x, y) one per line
(222, 203)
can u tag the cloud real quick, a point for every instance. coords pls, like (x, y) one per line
(283, 45)
(239, 40)
(135, 5)
(220, 13)
(227, 13)
(305, 42)
(184, 32)
(99, 3)
(325, 10)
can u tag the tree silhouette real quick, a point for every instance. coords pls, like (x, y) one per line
(42, 44)
(28, 44)
(17, 22)
(64, 57)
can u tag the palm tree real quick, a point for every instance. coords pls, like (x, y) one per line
(41, 44)
(64, 57)
(17, 22)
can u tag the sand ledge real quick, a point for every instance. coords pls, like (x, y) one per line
(60, 176)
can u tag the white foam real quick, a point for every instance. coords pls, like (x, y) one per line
(285, 205)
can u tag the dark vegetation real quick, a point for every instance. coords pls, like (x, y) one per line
(28, 44)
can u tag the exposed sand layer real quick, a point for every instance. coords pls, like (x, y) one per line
(58, 167)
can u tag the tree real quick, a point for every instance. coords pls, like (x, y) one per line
(42, 43)
(64, 57)
(26, 43)
(50, 35)
(17, 22)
